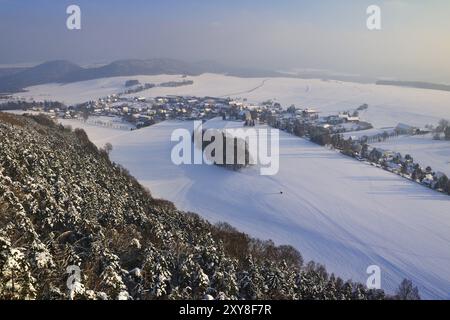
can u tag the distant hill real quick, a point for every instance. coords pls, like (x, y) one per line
(132, 68)
(6, 71)
(52, 71)
(415, 84)
(65, 72)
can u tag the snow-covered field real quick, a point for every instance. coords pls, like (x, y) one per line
(111, 126)
(78, 92)
(113, 122)
(388, 105)
(335, 210)
(355, 135)
(424, 150)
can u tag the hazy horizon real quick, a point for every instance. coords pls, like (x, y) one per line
(278, 35)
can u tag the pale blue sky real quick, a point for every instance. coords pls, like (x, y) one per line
(322, 34)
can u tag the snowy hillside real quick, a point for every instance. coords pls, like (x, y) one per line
(66, 207)
(78, 92)
(334, 209)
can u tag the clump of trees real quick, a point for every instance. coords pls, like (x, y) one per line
(239, 147)
(442, 129)
(363, 107)
(319, 135)
(407, 291)
(131, 83)
(173, 84)
(137, 87)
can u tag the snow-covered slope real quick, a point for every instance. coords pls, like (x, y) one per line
(388, 105)
(335, 210)
(63, 205)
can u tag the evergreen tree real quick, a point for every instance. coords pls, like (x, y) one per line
(447, 133)
(156, 274)
(251, 282)
(407, 291)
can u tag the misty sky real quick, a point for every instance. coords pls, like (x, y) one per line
(414, 43)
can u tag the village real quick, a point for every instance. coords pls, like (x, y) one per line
(345, 132)
(352, 137)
